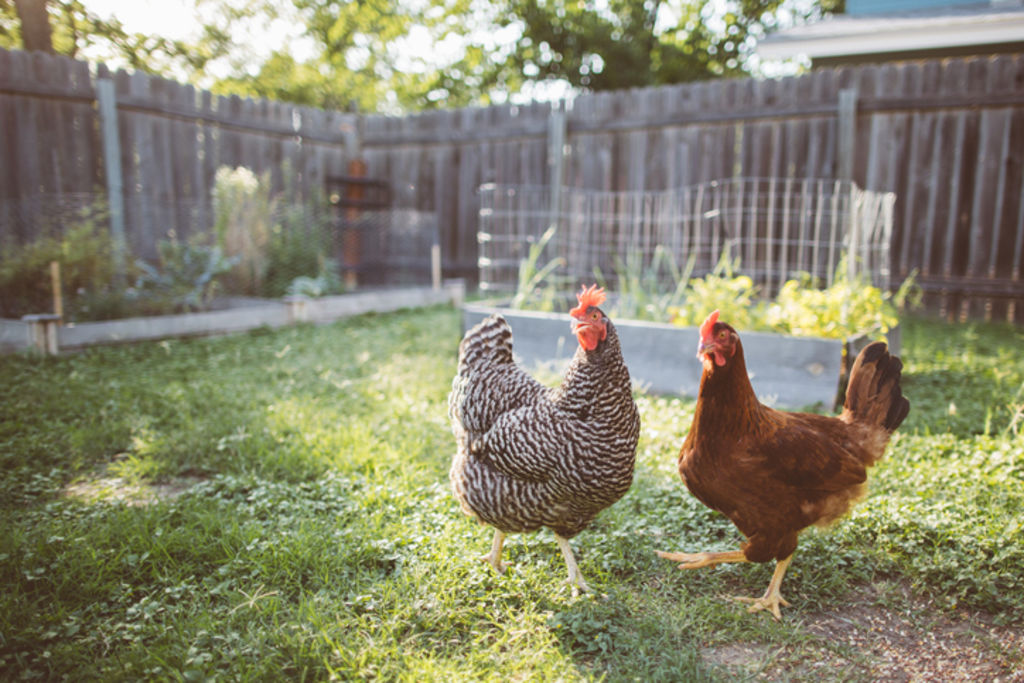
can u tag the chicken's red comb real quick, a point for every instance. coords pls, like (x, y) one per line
(709, 322)
(588, 296)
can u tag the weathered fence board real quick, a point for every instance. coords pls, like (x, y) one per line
(946, 136)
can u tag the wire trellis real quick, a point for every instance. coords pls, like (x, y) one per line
(777, 228)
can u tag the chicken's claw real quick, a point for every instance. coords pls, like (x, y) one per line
(772, 597)
(498, 565)
(578, 584)
(767, 601)
(493, 558)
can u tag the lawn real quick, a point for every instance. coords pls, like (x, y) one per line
(275, 505)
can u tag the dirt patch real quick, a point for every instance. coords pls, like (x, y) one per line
(885, 633)
(735, 655)
(104, 486)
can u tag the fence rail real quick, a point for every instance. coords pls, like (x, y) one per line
(945, 136)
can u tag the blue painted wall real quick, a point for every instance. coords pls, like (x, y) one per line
(860, 7)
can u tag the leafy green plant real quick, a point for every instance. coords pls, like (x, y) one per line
(652, 291)
(327, 282)
(243, 208)
(735, 296)
(300, 245)
(272, 242)
(849, 306)
(658, 290)
(186, 278)
(85, 254)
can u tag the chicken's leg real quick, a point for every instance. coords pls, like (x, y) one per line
(575, 578)
(494, 557)
(772, 598)
(698, 560)
(769, 601)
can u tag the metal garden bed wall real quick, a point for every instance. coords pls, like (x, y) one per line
(791, 372)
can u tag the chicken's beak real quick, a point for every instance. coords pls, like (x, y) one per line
(705, 347)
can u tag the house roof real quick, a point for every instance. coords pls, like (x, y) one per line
(917, 31)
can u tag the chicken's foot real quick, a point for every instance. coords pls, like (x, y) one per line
(575, 578)
(698, 560)
(494, 557)
(772, 598)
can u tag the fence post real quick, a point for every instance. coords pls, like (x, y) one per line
(107, 100)
(42, 332)
(350, 237)
(556, 153)
(351, 137)
(847, 133)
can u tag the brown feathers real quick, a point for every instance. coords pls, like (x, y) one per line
(772, 472)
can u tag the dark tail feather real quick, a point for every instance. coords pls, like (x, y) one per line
(873, 394)
(486, 343)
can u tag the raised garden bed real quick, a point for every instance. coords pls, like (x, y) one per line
(45, 334)
(789, 372)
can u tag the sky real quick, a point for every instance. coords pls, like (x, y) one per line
(173, 18)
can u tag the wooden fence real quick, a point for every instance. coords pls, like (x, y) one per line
(946, 136)
(148, 146)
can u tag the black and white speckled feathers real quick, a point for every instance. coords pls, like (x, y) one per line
(529, 456)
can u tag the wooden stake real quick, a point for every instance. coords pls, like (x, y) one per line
(435, 266)
(350, 237)
(58, 296)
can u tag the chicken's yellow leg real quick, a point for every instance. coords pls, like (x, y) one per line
(698, 560)
(575, 578)
(494, 557)
(772, 598)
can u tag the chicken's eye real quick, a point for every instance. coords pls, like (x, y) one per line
(723, 334)
(595, 316)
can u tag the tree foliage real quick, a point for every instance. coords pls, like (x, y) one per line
(623, 44)
(389, 55)
(74, 28)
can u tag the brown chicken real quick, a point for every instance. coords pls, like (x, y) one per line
(775, 473)
(529, 456)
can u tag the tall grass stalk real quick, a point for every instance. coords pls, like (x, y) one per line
(536, 287)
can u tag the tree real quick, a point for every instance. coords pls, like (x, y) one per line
(35, 24)
(622, 44)
(68, 27)
(370, 54)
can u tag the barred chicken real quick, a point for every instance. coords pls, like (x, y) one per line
(774, 473)
(530, 456)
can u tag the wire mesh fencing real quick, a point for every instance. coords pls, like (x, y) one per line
(216, 256)
(389, 247)
(774, 229)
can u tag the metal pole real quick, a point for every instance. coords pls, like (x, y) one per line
(556, 152)
(107, 100)
(847, 137)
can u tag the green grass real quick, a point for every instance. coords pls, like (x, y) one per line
(319, 538)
